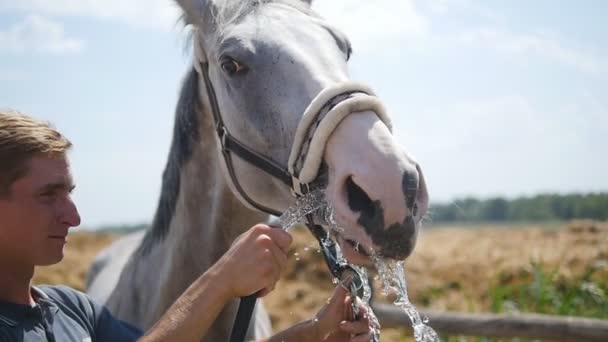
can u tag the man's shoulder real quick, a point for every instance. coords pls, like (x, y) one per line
(97, 319)
(65, 296)
(61, 293)
(57, 290)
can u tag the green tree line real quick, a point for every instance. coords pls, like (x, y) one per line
(544, 207)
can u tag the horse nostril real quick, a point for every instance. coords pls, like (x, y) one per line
(358, 200)
(410, 189)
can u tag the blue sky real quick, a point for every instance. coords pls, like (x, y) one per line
(493, 98)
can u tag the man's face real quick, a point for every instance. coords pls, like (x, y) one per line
(36, 216)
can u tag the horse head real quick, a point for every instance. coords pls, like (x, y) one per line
(277, 75)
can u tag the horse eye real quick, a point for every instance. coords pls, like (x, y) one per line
(349, 53)
(232, 67)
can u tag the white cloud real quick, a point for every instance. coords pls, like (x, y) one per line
(370, 23)
(534, 44)
(161, 14)
(39, 34)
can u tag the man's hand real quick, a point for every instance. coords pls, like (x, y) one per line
(336, 321)
(255, 261)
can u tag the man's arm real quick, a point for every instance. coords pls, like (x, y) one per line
(190, 317)
(252, 265)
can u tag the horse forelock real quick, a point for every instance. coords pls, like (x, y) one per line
(226, 11)
(185, 135)
(223, 14)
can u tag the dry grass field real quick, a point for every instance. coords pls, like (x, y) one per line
(459, 268)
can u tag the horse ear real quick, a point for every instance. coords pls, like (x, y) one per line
(194, 10)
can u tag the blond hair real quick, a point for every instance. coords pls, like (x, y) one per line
(21, 138)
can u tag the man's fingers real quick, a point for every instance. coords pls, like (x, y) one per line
(362, 338)
(356, 327)
(281, 238)
(281, 258)
(339, 294)
(349, 315)
(279, 261)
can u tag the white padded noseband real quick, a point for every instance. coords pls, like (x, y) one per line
(319, 121)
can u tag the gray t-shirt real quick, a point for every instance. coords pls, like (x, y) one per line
(62, 314)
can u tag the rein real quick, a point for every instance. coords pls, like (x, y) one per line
(323, 115)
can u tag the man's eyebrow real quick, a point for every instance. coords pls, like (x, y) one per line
(69, 186)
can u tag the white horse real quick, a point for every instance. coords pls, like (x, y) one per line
(274, 74)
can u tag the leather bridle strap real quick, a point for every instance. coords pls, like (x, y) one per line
(322, 116)
(230, 144)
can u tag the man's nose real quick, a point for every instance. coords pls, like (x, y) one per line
(69, 215)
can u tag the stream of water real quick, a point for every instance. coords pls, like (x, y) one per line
(392, 274)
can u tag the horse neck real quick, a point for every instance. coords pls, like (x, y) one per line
(208, 217)
(206, 220)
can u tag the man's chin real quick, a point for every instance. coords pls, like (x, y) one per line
(49, 260)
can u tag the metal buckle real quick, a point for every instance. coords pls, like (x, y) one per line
(298, 189)
(356, 284)
(221, 133)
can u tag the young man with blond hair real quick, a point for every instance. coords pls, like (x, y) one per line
(36, 212)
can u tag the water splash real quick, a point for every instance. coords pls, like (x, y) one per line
(393, 277)
(310, 203)
(391, 272)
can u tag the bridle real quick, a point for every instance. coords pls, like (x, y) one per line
(321, 117)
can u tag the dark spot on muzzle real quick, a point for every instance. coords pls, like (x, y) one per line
(396, 241)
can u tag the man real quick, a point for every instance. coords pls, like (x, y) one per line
(36, 212)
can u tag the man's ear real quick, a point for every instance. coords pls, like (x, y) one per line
(194, 10)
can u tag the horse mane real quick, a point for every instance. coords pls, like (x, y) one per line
(185, 135)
